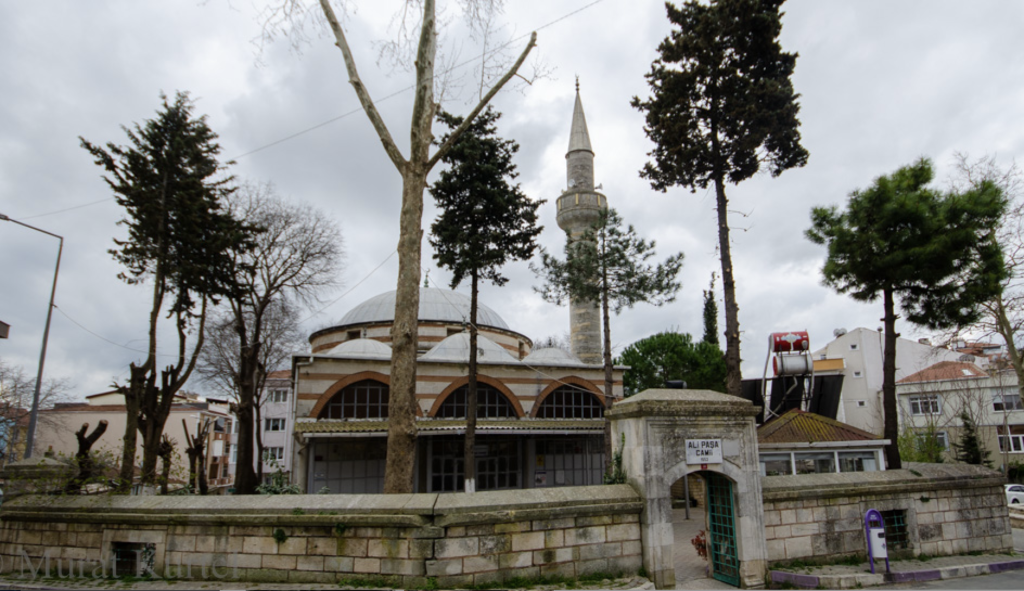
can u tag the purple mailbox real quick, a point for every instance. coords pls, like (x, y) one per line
(874, 531)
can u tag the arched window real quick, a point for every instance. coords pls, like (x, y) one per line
(490, 404)
(367, 399)
(571, 402)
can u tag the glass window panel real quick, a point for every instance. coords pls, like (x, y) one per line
(775, 465)
(814, 463)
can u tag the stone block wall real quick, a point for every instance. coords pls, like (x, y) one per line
(401, 540)
(948, 508)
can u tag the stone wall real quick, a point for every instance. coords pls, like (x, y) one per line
(948, 508)
(395, 539)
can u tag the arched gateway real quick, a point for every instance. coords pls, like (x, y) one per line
(672, 433)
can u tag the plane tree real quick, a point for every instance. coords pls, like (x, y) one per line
(287, 17)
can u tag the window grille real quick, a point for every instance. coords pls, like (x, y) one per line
(490, 404)
(367, 399)
(896, 535)
(571, 402)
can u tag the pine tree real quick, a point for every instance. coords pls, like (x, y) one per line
(969, 448)
(609, 264)
(722, 106)
(485, 222)
(936, 252)
(171, 185)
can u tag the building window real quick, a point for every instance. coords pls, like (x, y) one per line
(858, 374)
(942, 439)
(133, 558)
(928, 404)
(273, 425)
(353, 335)
(1006, 399)
(224, 471)
(367, 399)
(776, 464)
(857, 461)
(895, 523)
(571, 402)
(853, 346)
(1011, 443)
(278, 395)
(273, 454)
(234, 455)
(490, 404)
(861, 403)
(815, 463)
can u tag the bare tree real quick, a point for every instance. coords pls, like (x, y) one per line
(16, 391)
(195, 448)
(83, 457)
(296, 256)
(288, 16)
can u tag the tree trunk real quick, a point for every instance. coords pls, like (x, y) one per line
(469, 458)
(260, 450)
(608, 381)
(734, 374)
(245, 475)
(167, 456)
(83, 458)
(401, 455)
(891, 429)
(133, 404)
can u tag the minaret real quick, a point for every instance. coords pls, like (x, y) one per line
(579, 207)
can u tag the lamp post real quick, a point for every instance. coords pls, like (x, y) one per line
(34, 414)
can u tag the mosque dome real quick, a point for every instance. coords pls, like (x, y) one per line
(441, 305)
(365, 348)
(550, 356)
(456, 348)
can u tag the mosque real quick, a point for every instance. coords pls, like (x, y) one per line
(540, 411)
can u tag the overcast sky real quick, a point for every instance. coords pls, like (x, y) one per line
(882, 83)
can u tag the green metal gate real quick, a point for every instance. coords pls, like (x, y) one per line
(722, 538)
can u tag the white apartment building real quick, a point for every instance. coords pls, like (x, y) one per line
(934, 398)
(861, 352)
(275, 425)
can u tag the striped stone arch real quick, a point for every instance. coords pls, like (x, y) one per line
(346, 381)
(568, 380)
(482, 379)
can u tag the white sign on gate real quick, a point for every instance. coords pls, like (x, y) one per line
(703, 451)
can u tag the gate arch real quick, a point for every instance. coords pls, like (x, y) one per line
(656, 425)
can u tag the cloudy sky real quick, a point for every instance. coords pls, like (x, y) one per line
(882, 83)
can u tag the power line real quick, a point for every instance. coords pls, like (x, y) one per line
(350, 290)
(357, 110)
(102, 338)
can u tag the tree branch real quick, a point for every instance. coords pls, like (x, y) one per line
(454, 136)
(364, 97)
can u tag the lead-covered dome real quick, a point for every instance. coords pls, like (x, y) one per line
(436, 304)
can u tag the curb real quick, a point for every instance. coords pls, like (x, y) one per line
(851, 581)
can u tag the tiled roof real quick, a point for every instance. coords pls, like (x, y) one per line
(797, 426)
(945, 370)
(381, 426)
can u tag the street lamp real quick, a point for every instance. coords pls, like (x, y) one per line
(34, 414)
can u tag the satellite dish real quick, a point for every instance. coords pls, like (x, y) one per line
(967, 358)
(838, 332)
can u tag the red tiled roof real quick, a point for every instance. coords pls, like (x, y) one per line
(797, 426)
(945, 370)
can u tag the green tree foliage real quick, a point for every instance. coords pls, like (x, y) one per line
(171, 185)
(969, 448)
(710, 314)
(609, 264)
(672, 356)
(485, 222)
(722, 106)
(921, 445)
(936, 252)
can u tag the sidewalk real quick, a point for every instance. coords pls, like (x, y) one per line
(903, 571)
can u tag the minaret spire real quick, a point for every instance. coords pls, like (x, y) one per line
(579, 208)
